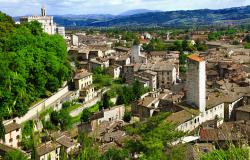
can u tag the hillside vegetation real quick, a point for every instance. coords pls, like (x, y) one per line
(33, 65)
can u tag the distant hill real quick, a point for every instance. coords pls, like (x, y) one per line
(182, 18)
(137, 11)
(146, 18)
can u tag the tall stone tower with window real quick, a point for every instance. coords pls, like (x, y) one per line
(196, 82)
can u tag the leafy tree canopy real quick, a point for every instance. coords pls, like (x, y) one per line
(14, 155)
(33, 64)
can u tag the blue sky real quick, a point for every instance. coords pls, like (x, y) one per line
(59, 7)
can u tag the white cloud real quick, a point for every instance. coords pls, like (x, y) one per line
(24, 7)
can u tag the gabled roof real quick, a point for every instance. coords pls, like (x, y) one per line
(82, 74)
(11, 127)
(65, 141)
(47, 147)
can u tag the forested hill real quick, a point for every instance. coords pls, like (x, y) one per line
(203, 17)
(239, 15)
(33, 65)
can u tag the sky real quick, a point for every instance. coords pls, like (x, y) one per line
(61, 7)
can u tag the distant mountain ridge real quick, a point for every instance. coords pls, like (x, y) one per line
(238, 15)
(147, 18)
(137, 11)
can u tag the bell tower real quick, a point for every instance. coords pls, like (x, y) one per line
(43, 11)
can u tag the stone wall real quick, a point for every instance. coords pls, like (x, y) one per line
(37, 108)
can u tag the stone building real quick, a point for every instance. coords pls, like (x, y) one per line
(47, 23)
(197, 109)
(49, 151)
(243, 113)
(147, 106)
(148, 78)
(69, 145)
(108, 116)
(83, 84)
(74, 40)
(115, 71)
(98, 63)
(136, 55)
(166, 73)
(12, 134)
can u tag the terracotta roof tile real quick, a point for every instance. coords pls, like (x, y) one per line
(195, 58)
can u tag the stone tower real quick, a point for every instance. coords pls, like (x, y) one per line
(43, 11)
(196, 82)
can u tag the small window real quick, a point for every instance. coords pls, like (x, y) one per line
(11, 140)
(17, 137)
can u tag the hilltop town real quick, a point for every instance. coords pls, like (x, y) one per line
(145, 94)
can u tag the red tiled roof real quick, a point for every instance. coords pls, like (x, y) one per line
(195, 58)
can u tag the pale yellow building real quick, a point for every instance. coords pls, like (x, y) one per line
(84, 84)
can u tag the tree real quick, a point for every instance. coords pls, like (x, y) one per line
(61, 118)
(2, 129)
(27, 132)
(55, 118)
(247, 46)
(185, 45)
(182, 58)
(35, 27)
(138, 89)
(115, 154)
(247, 38)
(127, 117)
(154, 135)
(14, 155)
(89, 150)
(178, 46)
(65, 119)
(33, 65)
(201, 46)
(155, 45)
(136, 41)
(86, 114)
(63, 154)
(231, 154)
(106, 101)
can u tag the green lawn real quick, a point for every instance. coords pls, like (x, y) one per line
(73, 107)
(76, 119)
(92, 109)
